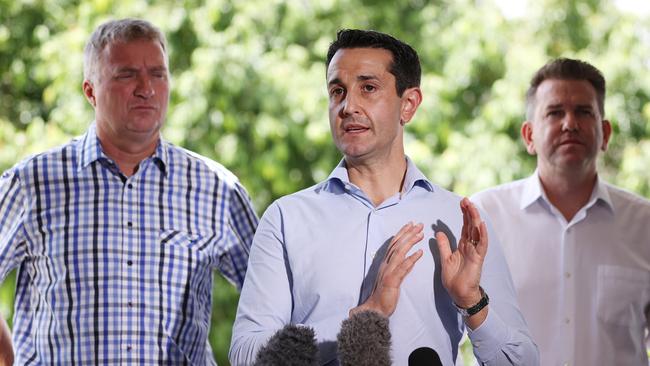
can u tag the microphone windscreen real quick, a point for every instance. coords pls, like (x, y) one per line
(364, 340)
(424, 356)
(290, 346)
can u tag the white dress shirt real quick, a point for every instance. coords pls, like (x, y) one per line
(583, 285)
(315, 256)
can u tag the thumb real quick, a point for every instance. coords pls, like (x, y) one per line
(443, 246)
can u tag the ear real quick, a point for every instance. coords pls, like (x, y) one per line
(411, 99)
(89, 92)
(607, 133)
(527, 135)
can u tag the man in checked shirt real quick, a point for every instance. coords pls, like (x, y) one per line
(115, 234)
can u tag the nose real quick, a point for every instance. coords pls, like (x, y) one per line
(570, 122)
(144, 89)
(350, 105)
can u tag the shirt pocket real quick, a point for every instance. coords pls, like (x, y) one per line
(622, 294)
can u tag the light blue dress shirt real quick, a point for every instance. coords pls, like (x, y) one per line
(315, 256)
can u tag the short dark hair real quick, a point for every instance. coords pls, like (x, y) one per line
(567, 69)
(405, 65)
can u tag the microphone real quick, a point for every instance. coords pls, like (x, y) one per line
(290, 346)
(424, 356)
(364, 340)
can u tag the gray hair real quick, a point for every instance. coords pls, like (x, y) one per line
(122, 30)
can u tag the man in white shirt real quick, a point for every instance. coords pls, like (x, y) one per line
(578, 247)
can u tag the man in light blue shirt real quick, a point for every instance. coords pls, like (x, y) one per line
(331, 250)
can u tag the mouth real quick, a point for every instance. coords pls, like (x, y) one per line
(571, 142)
(143, 108)
(354, 128)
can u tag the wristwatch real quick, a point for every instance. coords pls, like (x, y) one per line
(466, 313)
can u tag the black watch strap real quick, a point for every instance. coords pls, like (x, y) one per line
(485, 300)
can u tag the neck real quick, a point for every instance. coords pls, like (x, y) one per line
(568, 192)
(378, 180)
(127, 156)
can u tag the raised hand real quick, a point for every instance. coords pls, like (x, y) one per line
(461, 269)
(392, 271)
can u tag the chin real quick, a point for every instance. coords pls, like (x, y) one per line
(354, 153)
(144, 126)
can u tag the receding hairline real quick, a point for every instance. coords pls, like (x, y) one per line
(119, 31)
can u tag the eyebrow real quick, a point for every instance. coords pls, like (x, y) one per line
(136, 69)
(359, 78)
(561, 105)
(554, 106)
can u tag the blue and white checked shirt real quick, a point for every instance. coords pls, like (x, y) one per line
(117, 270)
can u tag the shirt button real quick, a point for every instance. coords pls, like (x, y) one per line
(129, 224)
(567, 320)
(129, 262)
(129, 186)
(567, 275)
(129, 304)
(128, 348)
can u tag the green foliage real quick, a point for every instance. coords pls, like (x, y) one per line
(249, 91)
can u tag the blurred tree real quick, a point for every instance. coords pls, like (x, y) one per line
(248, 87)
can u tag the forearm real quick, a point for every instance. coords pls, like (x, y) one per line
(6, 349)
(496, 343)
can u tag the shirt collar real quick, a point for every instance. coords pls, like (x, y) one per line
(414, 176)
(90, 150)
(601, 193)
(533, 191)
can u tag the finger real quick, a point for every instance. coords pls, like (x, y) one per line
(396, 239)
(444, 248)
(408, 242)
(474, 215)
(475, 222)
(482, 246)
(407, 264)
(465, 232)
(411, 237)
(401, 232)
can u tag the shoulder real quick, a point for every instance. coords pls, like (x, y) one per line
(184, 160)
(307, 195)
(441, 196)
(53, 158)
(322, 196)
(622, 198)
(505, 193)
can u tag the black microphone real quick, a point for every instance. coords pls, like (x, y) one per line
(364, 340)
(290, 346)
(424, 356)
